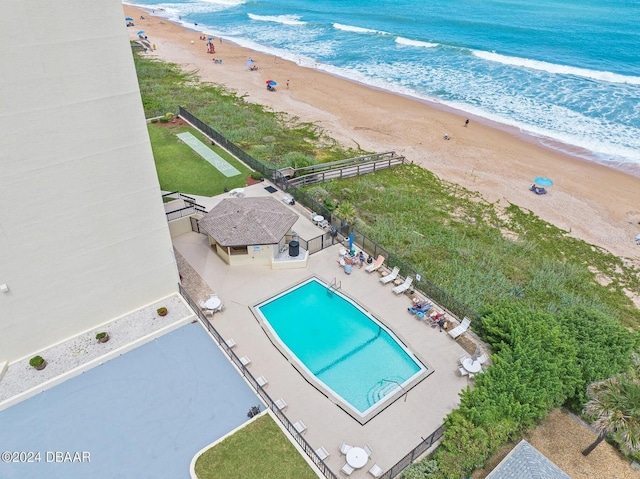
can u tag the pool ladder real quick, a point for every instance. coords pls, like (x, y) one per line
(335, 284)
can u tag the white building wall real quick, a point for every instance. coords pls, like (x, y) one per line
(83, 234)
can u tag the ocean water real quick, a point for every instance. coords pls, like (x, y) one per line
(566, 71)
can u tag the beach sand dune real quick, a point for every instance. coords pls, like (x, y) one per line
(596, 203)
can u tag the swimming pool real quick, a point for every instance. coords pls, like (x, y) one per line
(349, 355)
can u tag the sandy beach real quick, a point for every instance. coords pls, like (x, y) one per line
(593, 202)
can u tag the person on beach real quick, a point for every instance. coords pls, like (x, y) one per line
(287, 84)
(466, 122)
(361, 259)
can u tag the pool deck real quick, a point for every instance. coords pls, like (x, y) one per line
(398, 428)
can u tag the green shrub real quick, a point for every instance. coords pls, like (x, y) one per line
(256, 175)
(36, 361)
(162, 311)
(421, 470)
(164, 120)
(101, 335)
(330, 204)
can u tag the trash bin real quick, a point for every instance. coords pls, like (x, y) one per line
(294, 249)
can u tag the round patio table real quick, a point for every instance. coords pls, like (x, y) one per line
(471, 365)
(357, 457)
(212, 303)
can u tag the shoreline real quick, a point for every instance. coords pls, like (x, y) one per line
(594, 202)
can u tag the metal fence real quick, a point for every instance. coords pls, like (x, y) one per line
(418, 451)
(191, 208)
(306, 447)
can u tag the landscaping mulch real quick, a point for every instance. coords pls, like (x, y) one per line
(562, 437)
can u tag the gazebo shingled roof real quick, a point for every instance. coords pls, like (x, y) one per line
(248, 221)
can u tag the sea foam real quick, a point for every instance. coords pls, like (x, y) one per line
(415, 43)
(350, 28)
(283, 19)
(558, 69)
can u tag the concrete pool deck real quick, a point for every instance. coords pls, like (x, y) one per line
(393, 432)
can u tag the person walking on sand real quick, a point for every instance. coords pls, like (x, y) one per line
(466, 122)
(287, 84)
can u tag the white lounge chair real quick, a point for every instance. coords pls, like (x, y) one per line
(347, 469)
(375, 265)
(299, 426)
(375, 471)
(344, 448)
(262, 381)
(231, 343)
(322, 453)
(458, 330)
(404, 286)
(281, 404)
(245, 360)
(391, 276)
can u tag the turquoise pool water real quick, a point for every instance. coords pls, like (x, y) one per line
(345, 348)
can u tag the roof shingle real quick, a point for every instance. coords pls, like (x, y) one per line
(248, 221)
(526, 462)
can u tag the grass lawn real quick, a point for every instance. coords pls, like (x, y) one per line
(182, 169)
(259, 450)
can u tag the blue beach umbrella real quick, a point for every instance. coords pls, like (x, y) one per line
(542, 181)
(128, 19)
(141, 32)
(271, 83)
(248, 63)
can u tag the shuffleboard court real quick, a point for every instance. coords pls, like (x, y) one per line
(208, 154)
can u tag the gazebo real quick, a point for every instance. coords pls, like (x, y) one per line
(248, 230)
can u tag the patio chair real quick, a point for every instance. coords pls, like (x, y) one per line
(347, 469)
(404, 286)
(231, 343)
(483, 358)
(375, 471)
(344, 448)
(299, 426)
(202, 305)
(463, 372)
(245, 360)
(391, 276)
(368, 450)
(458, 330)
(281, 404)
(262, 381)
(375, 265)
(322, 453)
(463, 357)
